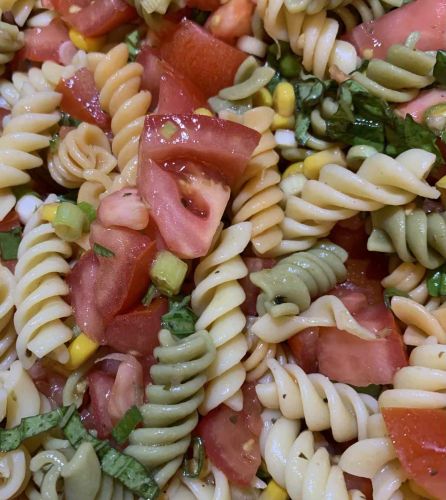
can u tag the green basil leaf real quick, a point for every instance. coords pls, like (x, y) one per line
(132, 41)
(392, 292)
(149, 296)
(9, 243)
(125, 426)
(102, 251)
(436, 282)
(180, 319)
(68, 121)
(440, 67)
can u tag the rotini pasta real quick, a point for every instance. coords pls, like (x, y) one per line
(7, 332)
(216, 300)
(20, 9)
(409, 278)
(339, 193)
(14, 472)
(11, 40)
(174, 397)
(322, 404)
(39, 294)
(146, 8)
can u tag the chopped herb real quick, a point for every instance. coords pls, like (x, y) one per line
(199, 16)
(54, 142)
(69, 196)
(126, 194)
(440, 67)
(76, 331)
(149, 296)
(325, 400)
(102, 251)
(180, 320)
(192, 466)
(275, 80)
(233, 419)
(432, 471)
(436, 281)
(283, 396)
(302, 455)
(168, 130)
(89, 211)
(132, 41)
(68, 121)
(372, 390)
(22, 190)
(392, 292)
(262, 472)
(9, 243)
(125, 426)
(278, 299)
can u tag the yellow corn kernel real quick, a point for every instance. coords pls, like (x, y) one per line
(441, 183)
(203, 111)
(87, 43)
(284, 99)
(294, 168)
(280, 122)
(314, 163)
(273, 492)
(263, 97)
(48, 212)
(80, 349)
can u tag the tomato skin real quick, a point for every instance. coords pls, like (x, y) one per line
(232, 20)
(100, 388)
(80, 99)
(63, 6)
(100, 17)
(251, 291)
(230, 442)
(204, 4)
(224, 147)
(137, 330)
(363, 484)
(124, 277)
(50, 43)
(208, 62)
(419, 438)
(304, 347)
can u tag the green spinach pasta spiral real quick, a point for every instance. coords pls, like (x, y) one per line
(174, 397)
(299, 278)
(413, 236)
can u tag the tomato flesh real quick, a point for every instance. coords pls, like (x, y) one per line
(419, 438)
(204, 4)
(304, 347)
(100, 388)
(232, 20)
(80, 99)
(208, 62)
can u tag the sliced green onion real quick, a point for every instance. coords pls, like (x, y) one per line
(180, 320)
(132, 41)
(125, 426)
(192, 466)
(69, 221)
(168, 130)
(9, 243)
(150, 294)
(168, 272)
(392, 292)
(89, 211)
(102, 251)
(68, 121)
(436, 282)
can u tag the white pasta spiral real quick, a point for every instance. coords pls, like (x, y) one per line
(7, 332)
(39, 293)
(119, 83)
(321, 403)
(409, 277)
(422, 384)
(258, 195)
(20, 9)
(11, 40)
(84, 154)
(216, 300)
(315, 6)
(311, 36)
(340, 193)
(295, 464)
(14, 472)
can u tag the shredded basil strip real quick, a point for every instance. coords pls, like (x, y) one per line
(131, 473)
(9, 243)
(192, 466)
(132, 41)
(180, 320)
(68, 121)
(125, 426)
(150, 295)
(102, 251)
(11, 439)
(440, 67)
(392, 292)
(436, 282)
(372, 390)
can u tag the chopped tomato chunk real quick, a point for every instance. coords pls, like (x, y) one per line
(204, 4)
(99, 388)
(419, 438)
(100, 17)
(418, 106)
(63, 6)
(232, 20)
(80, 99)
(304, 347)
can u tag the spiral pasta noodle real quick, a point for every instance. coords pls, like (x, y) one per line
(299, 467)
(290, 286)
(340, 193)
(312, 36)
(39, 294)
(83, 155)
(174, 397)
(258, 195)
(14, 472)
(409, 277)
(322, 404)
(20, 9)
(119, 83)
(361, 11)
(7, 332)
(216, 300)
(146, 8)
(315, 6)
(11, 40)
(413, 235)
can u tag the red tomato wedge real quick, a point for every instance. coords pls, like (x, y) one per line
(419, 438)
(427, 17)
(230, 442)
(123, 277)
(81, 281)
(251, 291)
(204, 4)
(50, 43)
(186, 204)
(208, 62)
(223, 146)
(349, 359)
(137, 331)
(304, 347)
(63, 6)
(232, 20)
(100, 387)
(10, 221)
(100, 17)
(418, 106)
(80, 99)
(363, 484)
